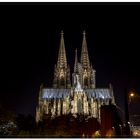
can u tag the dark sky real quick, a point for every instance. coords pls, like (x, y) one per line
(29, 43)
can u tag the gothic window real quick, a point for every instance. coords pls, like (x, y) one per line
(62, 81)
(86, 82)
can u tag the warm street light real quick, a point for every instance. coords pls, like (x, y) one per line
(132, 97)
(132, 94)
(128, 95)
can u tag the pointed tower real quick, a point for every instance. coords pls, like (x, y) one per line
(77, 70)
(62, 70)
(62, 60)
(76, 63)
(84, 53)
(88, 73)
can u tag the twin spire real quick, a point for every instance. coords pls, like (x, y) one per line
(84, 53)
(62, 60)
(82, 69)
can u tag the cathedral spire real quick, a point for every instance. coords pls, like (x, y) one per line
(84, 53)
(62, 70)
(76, 62)
(62, 60)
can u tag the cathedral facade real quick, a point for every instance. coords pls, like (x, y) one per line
(76, 96)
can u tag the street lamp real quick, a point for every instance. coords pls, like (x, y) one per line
(134, 98)
(126, 99)
(131, 95)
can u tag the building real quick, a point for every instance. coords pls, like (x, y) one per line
(111, 123)
(76, 96)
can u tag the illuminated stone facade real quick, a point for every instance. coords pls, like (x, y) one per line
(77, 97)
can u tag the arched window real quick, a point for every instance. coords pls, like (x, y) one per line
(85, 82)
(62, 82)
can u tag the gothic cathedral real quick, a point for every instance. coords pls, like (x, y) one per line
(79, 96)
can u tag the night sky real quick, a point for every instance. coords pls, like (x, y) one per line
(29, 43)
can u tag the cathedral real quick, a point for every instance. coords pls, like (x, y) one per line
(78, 95)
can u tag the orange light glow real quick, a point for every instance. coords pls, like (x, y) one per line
(132, 94)
(109, 133)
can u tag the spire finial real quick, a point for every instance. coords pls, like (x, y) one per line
(84, 32)
(76, 51)
(76, 62)
(62, 32)
(76, 59)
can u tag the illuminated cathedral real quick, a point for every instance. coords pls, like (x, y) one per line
(78, 95)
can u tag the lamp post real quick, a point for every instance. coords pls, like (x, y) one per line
(129, 95)
(127, 126)
(134, 99)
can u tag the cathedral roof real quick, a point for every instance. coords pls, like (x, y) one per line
(97, 93)
(103, 93)
(55, 93)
